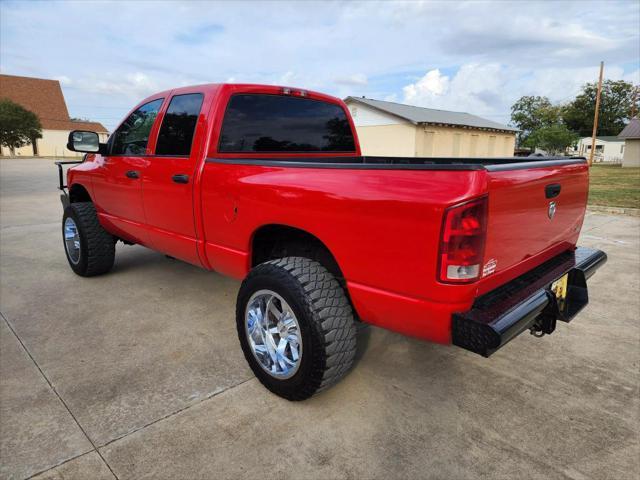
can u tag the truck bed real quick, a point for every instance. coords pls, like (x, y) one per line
(381, 218)
(406, 163)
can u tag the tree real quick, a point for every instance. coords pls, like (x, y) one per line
(531, 113)
(615, 107)
(553, 138)
(18, 126)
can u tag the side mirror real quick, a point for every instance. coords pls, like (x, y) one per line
(83, 141)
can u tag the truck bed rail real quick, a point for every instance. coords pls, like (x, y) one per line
(404, 163)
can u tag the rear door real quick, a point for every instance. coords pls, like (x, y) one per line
(168, 179)
(534, 212)
(117, 184)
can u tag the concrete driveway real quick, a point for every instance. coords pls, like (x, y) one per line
(138, 374)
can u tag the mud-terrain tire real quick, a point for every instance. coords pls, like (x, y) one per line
(89, 248)
(324, 323)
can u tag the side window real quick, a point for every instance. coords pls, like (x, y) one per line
(133, 135)
(274, 123)
(179, 124)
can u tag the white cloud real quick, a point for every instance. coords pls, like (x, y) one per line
(357, 79)
(466, 55)
(132, 85)
(490, 89)
(474, 88)
(64, 80)
(427, 89)
(287, 79)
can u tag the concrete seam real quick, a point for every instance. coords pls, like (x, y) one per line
(169, 415)
(29, 225)
(59, 464)
(57, 394)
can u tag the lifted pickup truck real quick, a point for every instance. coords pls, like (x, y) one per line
(268, 185)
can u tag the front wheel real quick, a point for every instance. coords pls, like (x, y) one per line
(295, 327)
(90, 249)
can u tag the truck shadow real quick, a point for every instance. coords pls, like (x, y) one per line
(363, 336)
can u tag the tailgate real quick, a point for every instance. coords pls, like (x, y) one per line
(535, 212)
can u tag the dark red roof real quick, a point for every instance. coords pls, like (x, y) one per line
(45, 99)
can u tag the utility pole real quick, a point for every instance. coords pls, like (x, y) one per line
(633, 103)
(595, 116)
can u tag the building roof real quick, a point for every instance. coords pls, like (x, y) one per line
(604, 138)
(430, 115)
(45, 99)
(632, 130)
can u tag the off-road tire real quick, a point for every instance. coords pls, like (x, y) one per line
(97, 246)
(326, 322)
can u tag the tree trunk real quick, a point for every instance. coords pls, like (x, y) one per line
(34, 144)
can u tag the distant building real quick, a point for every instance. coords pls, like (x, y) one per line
(395, 129)
(631, 137)
(45, 99)
(608, 149)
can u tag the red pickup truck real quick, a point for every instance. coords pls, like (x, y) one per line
(268, 185)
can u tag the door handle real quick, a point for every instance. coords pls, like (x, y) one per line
(180, 178)
(132, 174)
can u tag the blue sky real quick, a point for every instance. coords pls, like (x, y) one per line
(471, 56)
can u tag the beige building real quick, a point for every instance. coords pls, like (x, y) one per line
(45, 99)
(394, 129)
(631, 136)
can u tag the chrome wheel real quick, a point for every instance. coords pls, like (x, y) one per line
(72, 240)
(273, 333)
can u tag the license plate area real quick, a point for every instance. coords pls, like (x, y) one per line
(559, 289)
(567, 296)
(570, 294)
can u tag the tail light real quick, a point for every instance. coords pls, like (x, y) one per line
(462, 242)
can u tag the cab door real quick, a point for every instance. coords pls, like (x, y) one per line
(117, 184)
(168, 179)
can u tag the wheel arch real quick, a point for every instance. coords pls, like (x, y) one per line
(277, 240)
(79, 193)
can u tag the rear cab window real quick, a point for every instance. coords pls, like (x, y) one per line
(179, 124)
(265, 123)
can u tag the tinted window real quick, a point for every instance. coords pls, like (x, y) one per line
(178, 125)
(132, 136)
(272, 123)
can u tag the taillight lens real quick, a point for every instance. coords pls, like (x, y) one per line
(462, 242)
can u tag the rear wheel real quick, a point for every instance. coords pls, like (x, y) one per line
(90, 249)
(295, 326)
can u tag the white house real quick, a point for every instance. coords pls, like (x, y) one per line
(608, 149)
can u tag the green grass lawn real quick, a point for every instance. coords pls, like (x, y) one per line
(614, 186)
